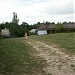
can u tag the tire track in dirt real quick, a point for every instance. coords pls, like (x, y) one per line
(58, 62)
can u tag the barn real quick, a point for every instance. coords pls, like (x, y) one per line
(42, 30)
(69, 26)
(51, 28)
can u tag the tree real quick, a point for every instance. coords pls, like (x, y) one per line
(15, 19)
(37, 25)
(65, 22)
(47, 23)
(59, 27)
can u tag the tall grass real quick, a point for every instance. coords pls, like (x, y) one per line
(64, 40)
(15, 58)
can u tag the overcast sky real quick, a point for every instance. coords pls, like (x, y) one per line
(32, 11)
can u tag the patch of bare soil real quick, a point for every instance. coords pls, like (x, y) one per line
(58, 62)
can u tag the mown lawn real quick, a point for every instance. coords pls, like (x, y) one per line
(16, 58)
(63, 40)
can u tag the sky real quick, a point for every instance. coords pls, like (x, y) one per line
(33, 11)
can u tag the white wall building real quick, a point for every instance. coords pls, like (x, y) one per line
(41, 32)
(33, 30)
(5, 32)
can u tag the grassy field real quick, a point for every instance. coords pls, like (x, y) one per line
(63, 40)
(16, 58)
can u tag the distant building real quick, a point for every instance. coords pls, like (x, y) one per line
(51, 28)
(33, 31)
(42, 30)
(5, 32)
(69, 26)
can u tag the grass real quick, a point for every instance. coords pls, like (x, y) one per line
(63, 40)
(16, 58)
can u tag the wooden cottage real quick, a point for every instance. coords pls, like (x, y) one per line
(51, 28)
(69, 26)
(42, 30)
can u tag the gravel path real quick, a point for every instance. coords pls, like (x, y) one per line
(58, 63)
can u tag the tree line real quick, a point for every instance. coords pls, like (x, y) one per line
(20, 30)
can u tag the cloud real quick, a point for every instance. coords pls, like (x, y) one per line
(60, 7)
(32, 11)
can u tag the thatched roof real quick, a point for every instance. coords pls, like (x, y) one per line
(53, 26)
(46, 27)
(69, 25)
(42, 27)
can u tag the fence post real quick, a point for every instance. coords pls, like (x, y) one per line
(26, 37)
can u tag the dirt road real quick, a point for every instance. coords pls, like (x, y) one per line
(58, 63)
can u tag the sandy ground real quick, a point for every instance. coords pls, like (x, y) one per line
(58, 62)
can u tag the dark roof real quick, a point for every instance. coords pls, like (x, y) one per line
(42, 27)
(53, 26)
(69, 25)
(46, 27)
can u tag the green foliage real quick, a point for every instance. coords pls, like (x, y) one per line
(15, 29)
(59, 27)
(35, 26)
(16, 58)
(14, 19)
